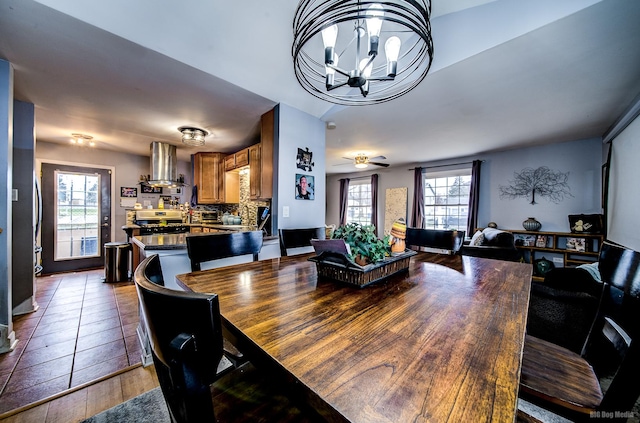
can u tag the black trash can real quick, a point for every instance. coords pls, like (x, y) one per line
(116, 261)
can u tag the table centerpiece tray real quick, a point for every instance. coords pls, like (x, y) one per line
(340, 267)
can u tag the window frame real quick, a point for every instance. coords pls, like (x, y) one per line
(359, 184)
(446, 215)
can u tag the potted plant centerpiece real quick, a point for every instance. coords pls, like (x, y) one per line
(361, 258)
(365, 246)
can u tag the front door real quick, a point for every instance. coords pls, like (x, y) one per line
(76, 217)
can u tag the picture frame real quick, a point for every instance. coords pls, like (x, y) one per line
(128, 192)
(522, 240)
(304, 160)
(528, 240)
(576, 244)
(305, 187)
(148, 189)
(541, 241)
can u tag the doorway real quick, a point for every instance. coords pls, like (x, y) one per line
(76, 217)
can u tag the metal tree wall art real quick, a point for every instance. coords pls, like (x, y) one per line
(542, 181)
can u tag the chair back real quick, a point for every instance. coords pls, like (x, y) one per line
(295, 238)
(614, 347)
(435, 238)
(185, 333)
(213, 246)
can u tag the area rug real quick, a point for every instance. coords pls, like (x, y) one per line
(149, 407)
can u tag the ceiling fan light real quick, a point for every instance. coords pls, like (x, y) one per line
(361, 161)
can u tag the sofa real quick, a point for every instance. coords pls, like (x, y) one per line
(492, 243)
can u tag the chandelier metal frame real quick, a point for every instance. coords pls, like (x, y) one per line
(364, 81)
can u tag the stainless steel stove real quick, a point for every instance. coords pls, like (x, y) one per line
(160, 221)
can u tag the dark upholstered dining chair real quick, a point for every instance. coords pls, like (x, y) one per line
(185, 333)
(571, 384)
(296, 238)
(214, 246)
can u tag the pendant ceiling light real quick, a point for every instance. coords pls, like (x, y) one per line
(336, 48)
(193, 136)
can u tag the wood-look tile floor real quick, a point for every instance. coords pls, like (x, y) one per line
(84, 329)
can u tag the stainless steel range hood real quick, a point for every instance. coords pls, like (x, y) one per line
(164, 166)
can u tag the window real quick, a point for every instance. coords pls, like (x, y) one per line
(77, 215)
(446, 199)
(359, 203)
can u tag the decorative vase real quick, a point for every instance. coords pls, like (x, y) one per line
(531, 224)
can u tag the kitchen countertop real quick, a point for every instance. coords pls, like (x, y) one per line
(174, 241)
(203, 225)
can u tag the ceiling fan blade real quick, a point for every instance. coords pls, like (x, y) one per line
(348, 158)
(378, 158)
(342, 164)
(379, 164)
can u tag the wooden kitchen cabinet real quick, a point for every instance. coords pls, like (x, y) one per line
(261, 160)
(208, 176)
(236, 160)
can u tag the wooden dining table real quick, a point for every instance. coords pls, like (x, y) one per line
(440, 342)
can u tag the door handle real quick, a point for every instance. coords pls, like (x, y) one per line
(105, 225)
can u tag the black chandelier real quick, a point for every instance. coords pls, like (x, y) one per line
(333, 61)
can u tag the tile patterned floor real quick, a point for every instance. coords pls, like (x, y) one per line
(84, 329)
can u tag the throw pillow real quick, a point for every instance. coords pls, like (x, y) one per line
(477, 239)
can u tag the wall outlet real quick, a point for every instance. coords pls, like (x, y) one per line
(285, 211)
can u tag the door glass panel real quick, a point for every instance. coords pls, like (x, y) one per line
(77, 215)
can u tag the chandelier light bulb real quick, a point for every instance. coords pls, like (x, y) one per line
(366, 66)
(374, 25)
(330, 72)
(392, 48)
(329, 37)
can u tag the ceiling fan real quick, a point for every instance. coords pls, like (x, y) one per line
(362, 160)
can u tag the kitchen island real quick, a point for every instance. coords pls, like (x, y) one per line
(172, 250)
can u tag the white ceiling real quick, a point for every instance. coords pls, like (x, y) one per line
(506, 73)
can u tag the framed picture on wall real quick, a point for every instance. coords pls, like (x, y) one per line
(305, 187)
(304, 160)
(128, 192)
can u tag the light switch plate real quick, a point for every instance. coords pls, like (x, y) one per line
(14, 194)
(285, 211)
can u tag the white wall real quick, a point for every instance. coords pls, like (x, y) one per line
(128, 168)
(298, 129)
(582, 159)
(624, 193)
